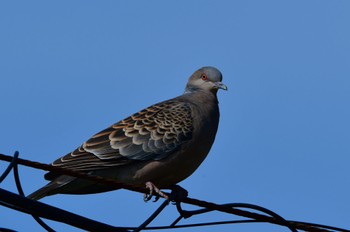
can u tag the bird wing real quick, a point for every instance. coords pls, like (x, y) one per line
(151, 134)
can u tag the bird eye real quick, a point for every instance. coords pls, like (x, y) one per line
(204, 77)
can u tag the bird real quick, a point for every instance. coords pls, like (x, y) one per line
(155, 148)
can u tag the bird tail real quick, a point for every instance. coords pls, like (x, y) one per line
(47, 190)
(70, 185)
(54, 187)
(38, 194)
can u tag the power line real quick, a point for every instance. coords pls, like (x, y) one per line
(38, 209)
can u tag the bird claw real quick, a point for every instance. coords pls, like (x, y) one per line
(177, 193)
(153, 191)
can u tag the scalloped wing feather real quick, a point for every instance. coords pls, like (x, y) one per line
(151, 134)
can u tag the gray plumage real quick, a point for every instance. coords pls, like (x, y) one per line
(164, 143)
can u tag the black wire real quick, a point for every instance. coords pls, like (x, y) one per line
(21, 192)
(321, 226)
(177, 220)
(28, 206)
(274, 217)
(187, 214)
(153, 216)
(203, 224)
(267, 211)
(14, 166)
(6, 230)
(9, 167)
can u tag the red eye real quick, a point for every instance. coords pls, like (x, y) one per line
(204, 77)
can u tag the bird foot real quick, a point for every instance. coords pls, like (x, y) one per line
(153, 191)
(177, 193)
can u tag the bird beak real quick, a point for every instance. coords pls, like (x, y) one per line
(220, 85)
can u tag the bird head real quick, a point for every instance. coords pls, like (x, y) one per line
(206, 79)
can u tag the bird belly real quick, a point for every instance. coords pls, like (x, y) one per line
(166, 172)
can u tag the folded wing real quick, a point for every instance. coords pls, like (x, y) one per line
(151, 134)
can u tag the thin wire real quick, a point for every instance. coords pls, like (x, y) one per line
(321, 226)
(177, 220)
(6, 230)
(69, 172)
(281, 220)
(16, 202)
(153, 216)
(269, 212)
(21, 192)
(259, 217)
(28, 206)
(202, 224)
(9, 167)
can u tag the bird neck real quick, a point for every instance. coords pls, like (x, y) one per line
(203, 96)
(191, 89)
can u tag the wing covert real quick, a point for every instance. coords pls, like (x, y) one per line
(151, 134)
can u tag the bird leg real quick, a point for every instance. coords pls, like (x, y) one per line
(152, 191)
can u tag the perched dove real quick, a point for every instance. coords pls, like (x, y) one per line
(156, 147)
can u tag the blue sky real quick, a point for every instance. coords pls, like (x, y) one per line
(69, 69)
